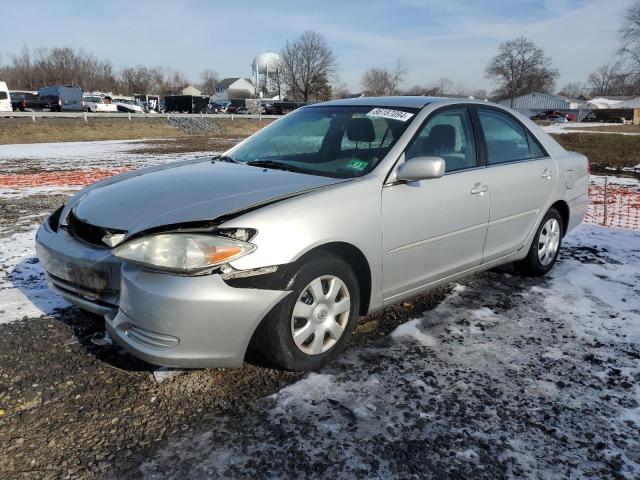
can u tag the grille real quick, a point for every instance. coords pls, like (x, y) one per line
(88, 233)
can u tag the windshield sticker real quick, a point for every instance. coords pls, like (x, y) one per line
(358, 165)
(391, 114)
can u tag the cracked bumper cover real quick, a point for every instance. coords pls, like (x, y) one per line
(170, 320)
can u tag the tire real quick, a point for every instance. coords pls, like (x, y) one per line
(543, 254)
(275, 336)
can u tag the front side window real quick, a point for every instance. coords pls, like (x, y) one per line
(448, 135)
(339, 141)
(506, 139)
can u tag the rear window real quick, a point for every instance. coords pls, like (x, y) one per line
(3, 95)
(70, 93)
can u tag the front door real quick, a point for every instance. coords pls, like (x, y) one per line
(435, 228)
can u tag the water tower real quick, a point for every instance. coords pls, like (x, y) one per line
(262, 69)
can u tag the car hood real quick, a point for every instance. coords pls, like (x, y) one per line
(186, 192)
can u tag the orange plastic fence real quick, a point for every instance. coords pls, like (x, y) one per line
(63, 178)
(614, 205)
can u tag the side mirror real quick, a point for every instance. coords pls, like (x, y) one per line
(421, 168)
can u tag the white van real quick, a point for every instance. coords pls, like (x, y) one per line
(5, 98)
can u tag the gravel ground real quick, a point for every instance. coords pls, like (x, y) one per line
(74, 408)
(196, 125)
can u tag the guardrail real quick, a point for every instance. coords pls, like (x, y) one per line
(131, 116)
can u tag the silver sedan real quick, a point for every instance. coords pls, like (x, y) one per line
(334, 211)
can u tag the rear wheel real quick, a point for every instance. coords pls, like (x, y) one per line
(544, 249)
(312, 325)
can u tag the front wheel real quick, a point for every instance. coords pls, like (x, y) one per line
(312, 325)
(544, 249)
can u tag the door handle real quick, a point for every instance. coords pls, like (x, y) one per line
(479, 189)
(547, 174)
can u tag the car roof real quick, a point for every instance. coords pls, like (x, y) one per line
(397, 101)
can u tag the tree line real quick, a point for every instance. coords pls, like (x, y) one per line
(307, 71)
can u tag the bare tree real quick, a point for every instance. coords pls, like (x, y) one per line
(630, 37)
(208, 81)
(441, 87)
(32, 69)
(307, 64)
(340, 90)
(521, 67)
(608, 80)
(382, 81)
(573, 89)
(278, 77)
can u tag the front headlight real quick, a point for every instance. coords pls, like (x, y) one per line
(182, 252)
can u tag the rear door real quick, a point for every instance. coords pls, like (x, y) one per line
(71, 98)
(522, 178)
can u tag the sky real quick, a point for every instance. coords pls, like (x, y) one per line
(433, 39)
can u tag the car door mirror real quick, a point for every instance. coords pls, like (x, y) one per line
(421, 168)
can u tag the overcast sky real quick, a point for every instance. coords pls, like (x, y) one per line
(451, 38)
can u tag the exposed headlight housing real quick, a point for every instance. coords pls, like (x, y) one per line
(182, 252)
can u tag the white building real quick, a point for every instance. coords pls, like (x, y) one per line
(190, 90)
(235, 87)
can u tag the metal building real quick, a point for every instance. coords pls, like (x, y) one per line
(545, 101)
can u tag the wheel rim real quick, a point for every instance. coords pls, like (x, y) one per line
(548, 241)
(320, 315)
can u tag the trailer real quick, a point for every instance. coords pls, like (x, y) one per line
(150, 103)
(186, 103)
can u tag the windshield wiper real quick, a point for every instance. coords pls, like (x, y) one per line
(276, 166)
(223, 158)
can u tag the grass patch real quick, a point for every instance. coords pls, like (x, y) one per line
(609, 129)
(612, 151)
(25, 130)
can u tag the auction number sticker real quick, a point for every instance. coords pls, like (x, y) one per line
(391, 114)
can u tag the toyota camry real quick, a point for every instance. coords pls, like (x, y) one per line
(332, 212)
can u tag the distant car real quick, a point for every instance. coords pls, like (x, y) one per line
(336, 210)
(61, 98)
(5, 98)
(127, 106)
(96, 103)
(555, 116)
(24, 100)
(220, 106)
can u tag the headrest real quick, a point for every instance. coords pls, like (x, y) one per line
(443, 137)
(360, 129)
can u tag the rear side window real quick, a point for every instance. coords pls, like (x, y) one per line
(506, 139)
(534, 147)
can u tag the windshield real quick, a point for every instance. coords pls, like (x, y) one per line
(338, 141)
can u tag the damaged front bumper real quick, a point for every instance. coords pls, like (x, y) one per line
(165, 319)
